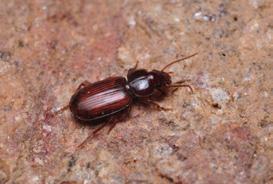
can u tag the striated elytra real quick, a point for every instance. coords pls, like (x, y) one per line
(99, 100)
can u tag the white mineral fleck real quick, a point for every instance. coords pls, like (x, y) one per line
(219, 95)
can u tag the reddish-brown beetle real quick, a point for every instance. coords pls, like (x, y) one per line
(106, 100)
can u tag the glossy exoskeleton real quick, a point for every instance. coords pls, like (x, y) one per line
(113, 96)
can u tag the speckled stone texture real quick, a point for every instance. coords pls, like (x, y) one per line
(220, 134)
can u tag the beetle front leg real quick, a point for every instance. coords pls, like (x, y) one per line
(131, 70)
(155, 106)
(181, 81)
(182, 85)
(158, 107)
(136, 65)
(179, 84)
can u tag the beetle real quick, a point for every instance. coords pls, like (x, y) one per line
(108, 99)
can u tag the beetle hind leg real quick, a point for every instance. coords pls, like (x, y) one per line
(60, 110)
(83, 84)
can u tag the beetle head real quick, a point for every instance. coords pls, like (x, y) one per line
(161, 79)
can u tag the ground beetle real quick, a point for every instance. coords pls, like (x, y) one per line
(107, 100)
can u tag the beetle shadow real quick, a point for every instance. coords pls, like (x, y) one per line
(119, 117)
(91, 124)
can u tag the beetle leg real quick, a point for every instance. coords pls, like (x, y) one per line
(155, 105)
(113, 124)
(174, 90)
(61, 110)
(182, 85)
(136, 65)
(131, 70)
(91, 135)
(116, 120)
(158, 107)
(112, 121)
(83, 84)
(181, 81)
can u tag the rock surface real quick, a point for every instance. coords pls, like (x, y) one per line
(222, 133)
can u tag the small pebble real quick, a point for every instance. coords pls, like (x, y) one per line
(256, 3)
(201, 16)
(219, 95)
(132, 22)
(162, 150)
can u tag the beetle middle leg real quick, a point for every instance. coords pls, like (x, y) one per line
(112, 121)
(91, 135)
(118, 118)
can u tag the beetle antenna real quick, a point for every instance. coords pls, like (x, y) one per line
(178, 60)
